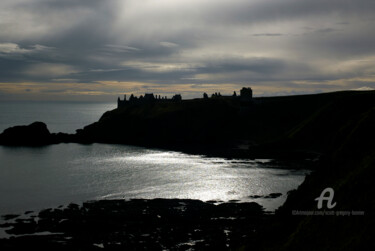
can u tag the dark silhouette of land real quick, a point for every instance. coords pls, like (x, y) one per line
(336, 127)
(230, 126)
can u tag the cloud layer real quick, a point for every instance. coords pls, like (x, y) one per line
(275, 46)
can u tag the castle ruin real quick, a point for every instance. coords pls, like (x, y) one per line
(246, 95)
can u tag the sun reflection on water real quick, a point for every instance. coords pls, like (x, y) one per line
(167, 174)
(101, 171)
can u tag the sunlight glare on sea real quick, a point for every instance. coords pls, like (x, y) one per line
(35, 178)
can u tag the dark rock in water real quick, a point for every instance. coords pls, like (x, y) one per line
(214, 201)
(65, 138)
(10, 216)
(273, 195)
(36, 134)
(270, 196)
(138, 224)
(255, 196)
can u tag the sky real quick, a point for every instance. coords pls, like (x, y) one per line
(96, 50)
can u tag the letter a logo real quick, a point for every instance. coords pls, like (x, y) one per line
(328, 198)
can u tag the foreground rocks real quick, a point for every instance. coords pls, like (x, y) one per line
(158, 224)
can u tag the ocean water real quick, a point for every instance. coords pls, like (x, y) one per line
(34, 178)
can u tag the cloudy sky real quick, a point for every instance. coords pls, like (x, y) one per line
(98, 49)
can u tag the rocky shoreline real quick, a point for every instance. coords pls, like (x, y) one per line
(157, 224)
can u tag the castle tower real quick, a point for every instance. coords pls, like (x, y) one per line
(246, 93)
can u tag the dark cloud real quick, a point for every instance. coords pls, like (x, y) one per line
(179, 42)
(268, 35)
(270, 11)
(326, 30)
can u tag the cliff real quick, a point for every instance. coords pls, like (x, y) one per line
(275, 127)
(268, 127)
(348, 167)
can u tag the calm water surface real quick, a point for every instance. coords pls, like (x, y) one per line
(36, 178)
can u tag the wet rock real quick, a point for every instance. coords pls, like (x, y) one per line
(10, 216)
(270, 196)
(140, 224)
(255, 196)
(273, 195)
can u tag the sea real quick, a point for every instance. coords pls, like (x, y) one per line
(35, 178)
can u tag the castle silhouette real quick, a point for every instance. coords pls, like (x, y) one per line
(246, 95)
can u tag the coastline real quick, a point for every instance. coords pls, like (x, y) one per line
(341, 131)
(138, 224)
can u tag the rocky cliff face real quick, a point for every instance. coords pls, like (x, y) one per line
(348, 167)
